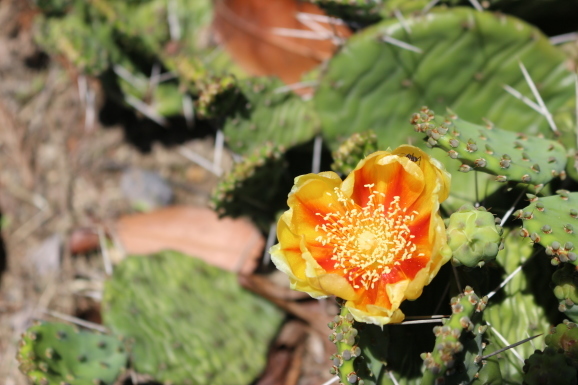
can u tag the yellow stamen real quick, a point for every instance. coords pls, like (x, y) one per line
(367, 241)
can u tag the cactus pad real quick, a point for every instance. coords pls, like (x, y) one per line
(553, 221)
(190, 323)
(493, 150)
(513, 312)
(348, 362)
(255, 187)
(443, 363)
(473, 236)
(88, 47)
(463, 59)
(270, 114)
(55, 353)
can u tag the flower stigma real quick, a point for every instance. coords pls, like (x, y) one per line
(368, 242)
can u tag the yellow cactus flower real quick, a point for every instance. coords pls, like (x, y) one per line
(374, 239)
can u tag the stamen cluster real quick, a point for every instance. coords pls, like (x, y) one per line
(367, 241)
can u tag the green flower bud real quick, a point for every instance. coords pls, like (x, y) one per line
(566, 280)
(473, 236)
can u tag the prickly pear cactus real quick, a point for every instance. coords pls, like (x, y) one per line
(470, 61)
(473, 236)
(345, 335)
(457, 58)
(513, 314)
(490, 149)
(445, 363)
(128, 44)
(272, 113)
(56, 354)
(89, 47)
(169, 304)
(550, 221)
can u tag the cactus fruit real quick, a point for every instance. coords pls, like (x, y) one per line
(565, 280)
(493, 150)
(352, 150)
(56, 354)
(458, 58)
(473, 236)
(550, 221)
(549, 367)
(168, 305)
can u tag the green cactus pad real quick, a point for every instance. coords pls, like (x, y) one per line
(256, 187)
(353, 150)
(493, 150)
(564, 337)
(272, 115)
(165, 99)
(473, 236)
(549, 367)
(465, 59)
(553, 221)
(89, 47)
(135, 20)
(190, 323)
(55, 354)
(138, 35)
(443, 363)
(490, 373)
(349, 363)
(513, 312)
(565, 280)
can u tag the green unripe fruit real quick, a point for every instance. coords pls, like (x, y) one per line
(473, 236)
(566, 279)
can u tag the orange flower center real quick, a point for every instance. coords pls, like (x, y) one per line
(368, 241)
